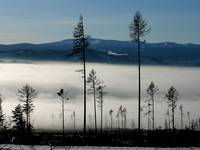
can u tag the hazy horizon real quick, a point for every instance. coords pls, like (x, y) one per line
(60, 40)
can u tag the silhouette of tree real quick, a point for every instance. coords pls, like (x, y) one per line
(199, 122)
(138, 29)
(168, 119)
(79, 47)
(73, 116)
(64, 96)
(111, 118)
(26, 95)
(93, 83)
(118, 119)
(100, 96)
(141, 111)
(18, 119)
(121, 115)
(151, 91)
(148, 104)
(189, 120)
(181, 110)
(172, 96)
(124, 112)
(2, 119)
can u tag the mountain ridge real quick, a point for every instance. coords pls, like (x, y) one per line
(106, 51)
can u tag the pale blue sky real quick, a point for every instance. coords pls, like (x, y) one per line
(40, 21)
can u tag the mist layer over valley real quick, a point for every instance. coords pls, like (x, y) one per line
(121, 84)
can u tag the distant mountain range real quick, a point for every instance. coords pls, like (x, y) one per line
(106, 51)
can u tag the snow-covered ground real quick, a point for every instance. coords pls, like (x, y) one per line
(23, 147)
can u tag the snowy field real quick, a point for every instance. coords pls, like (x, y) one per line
(23, 147)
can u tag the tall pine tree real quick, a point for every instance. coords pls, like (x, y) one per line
(138, 29)
(26, 95)
(18, 119)
(93, 83)
(151, 91)
(100, 96)
(172, 96)
(80, 45)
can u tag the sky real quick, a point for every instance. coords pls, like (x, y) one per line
(39, 21)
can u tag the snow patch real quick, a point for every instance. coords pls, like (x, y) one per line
(37, 147)
(116, 54)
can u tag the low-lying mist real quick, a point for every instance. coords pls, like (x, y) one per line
(121, 84)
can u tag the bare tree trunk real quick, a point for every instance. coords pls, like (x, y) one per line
(149, 116)
(169, 121)
(181, 119)
(63, 116)
(189, 122)
(139, 80)
(111, 122)
(27, 116)
(148, 121)
(84, 76)
(101, 116)
(173, 119)
(124, 121)
(153, 111)
(95, 114)
(74, 122)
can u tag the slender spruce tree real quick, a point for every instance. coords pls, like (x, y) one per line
(80, 45)
(18, 119)
(148, 111)
(26, 95)
(181, 111)
(64, 96)
(151, 91)
(120, 111)
(138, 29)
(118, 119)
(124, 113)
(93, 83)
(111, 119)
(73, 116)
(189, 120)
(168, 118)
(172, 96)
(100, 95)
